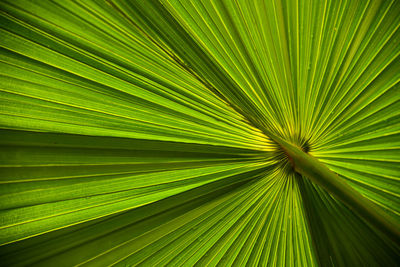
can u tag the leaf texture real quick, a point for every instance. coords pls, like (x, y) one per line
(137, 132)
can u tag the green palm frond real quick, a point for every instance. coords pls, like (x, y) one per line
(207, 132)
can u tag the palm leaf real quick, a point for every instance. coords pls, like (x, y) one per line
(199, 132)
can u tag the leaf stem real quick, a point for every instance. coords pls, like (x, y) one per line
(317, 172)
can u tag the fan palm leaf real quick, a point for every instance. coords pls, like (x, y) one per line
(199, 133)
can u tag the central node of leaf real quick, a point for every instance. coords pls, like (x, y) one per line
(284, 161)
